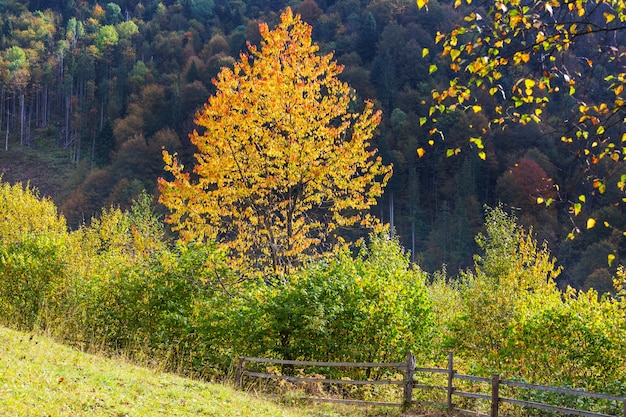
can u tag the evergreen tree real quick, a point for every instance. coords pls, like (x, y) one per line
(104, 145)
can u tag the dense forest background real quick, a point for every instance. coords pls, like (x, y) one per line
(91, 93)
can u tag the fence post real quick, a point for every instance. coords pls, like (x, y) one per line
(495, 394)
(408, 381)
(450, 380)
(239, 375)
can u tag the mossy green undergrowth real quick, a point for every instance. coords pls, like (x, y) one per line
(41, 378)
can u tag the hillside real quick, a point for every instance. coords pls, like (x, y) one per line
(91, 97)
(40, 377)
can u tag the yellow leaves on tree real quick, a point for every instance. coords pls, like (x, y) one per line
(282, 162)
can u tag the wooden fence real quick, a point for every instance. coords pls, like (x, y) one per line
(409, 385)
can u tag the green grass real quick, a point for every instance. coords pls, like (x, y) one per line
(41, 378)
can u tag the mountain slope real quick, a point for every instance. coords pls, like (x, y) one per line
(42, 378)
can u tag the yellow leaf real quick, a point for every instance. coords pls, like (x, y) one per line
(432, 68)
(425, 52)
(420, 152)
(591, 222)
(482, 155)
(431, 142)
(421, 4)
(609, 17)
(618, 90)
(577, 208)
(454, 54)
(540, 200)
(515, 19)
(476, 108)
(610, 258)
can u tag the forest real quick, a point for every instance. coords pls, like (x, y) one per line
(92, 92)
(185, 182)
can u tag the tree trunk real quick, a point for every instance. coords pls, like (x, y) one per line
(391, 217)
(2, 106)
(6, 140)
(67, 121)
(22, 117)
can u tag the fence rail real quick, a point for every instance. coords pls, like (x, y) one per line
(409, 384)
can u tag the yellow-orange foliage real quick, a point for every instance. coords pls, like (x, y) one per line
(282, 162)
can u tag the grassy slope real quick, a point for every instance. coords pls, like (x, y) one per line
(42, 164)
(41, 378)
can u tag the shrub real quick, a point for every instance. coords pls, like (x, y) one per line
(32, 256)
(371, 307)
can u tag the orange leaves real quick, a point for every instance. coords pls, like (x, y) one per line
(521, 57)
(281, 158)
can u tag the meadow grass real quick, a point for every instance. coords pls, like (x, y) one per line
(39, 377)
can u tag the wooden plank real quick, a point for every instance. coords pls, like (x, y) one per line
(450, 388)
(399, 365)
(432, 370)
(324, 381)
(408, 380)
(472, 378)
(562, 390)
(495, 395)
(353, 402)
(553, 408)
(472, 395)
(428, 387)
(240, 373)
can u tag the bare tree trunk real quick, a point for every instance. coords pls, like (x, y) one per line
(2, 106)
(391, 215)
(22, 117)
(45, 106)
(37, 95)
(29, 125)
(67, 121)
(6, 140)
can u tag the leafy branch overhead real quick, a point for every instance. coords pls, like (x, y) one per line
(282, 163)
(523, 62)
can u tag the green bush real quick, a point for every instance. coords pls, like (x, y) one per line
(32, 256)
(32, 274)
(512, 319)
(372, 307)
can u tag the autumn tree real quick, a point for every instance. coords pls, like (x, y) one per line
(552, 62)
(283, 162)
